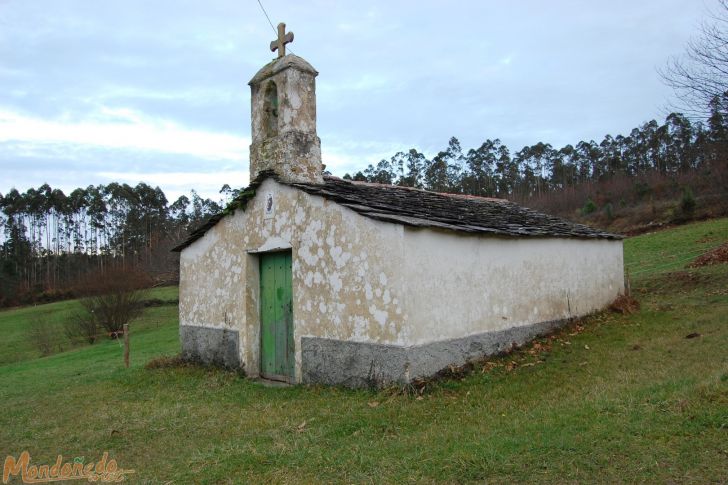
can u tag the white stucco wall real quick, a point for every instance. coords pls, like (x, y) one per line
(460, 285)
(361, 280)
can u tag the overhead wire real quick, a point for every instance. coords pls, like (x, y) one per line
(266, 16)
(271, 23)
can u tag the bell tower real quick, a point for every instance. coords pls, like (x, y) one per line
(283, 116)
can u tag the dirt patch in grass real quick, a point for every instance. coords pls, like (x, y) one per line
(717, 255)
(171, 362)
(680, 282)
(708, 238)
(625, 305)
(688, 279)
(167, 362)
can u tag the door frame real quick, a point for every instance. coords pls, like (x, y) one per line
(263, 375)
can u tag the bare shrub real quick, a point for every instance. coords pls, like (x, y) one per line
(110, 299)
(625, 305)
(82, 327)
(44, 337)
(699, 75)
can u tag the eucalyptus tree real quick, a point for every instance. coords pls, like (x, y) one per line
(591, 155)
(505, 172)
(415, 163)
(481, 162)
(381, 174)
(563, 168)
(436, 173)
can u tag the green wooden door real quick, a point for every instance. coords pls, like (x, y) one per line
(276, 316)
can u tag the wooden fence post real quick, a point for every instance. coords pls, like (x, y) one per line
(628, 289)
(126, 345)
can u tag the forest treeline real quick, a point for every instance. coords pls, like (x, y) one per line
(51, 239)
(492, 170)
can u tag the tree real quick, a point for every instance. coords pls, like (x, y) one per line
(564, 166)
(436, 173)
(679, 136)
(109, 300)
(415, 166)
(505, 172)
(381, 174)
(444, 172)
(700, 76)
(718, 119)
(228, 193)
(480, 163)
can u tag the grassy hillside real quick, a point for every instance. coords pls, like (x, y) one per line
(615, 398)
(634, 204)
(16, 322)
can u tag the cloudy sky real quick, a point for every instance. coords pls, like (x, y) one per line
(96, 91)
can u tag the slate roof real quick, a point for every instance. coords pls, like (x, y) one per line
(422, 208)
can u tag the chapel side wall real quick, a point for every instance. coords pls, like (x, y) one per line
(465, 285)
(212, 297)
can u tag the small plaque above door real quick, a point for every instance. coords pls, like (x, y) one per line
(270, 206)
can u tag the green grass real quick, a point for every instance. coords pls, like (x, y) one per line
(15, 323)
(670, 250)
(626, 399)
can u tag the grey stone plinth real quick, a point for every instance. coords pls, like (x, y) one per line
(214, 346)
(354, 364)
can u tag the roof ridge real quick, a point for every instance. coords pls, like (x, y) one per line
(421, 208)
(417, 189)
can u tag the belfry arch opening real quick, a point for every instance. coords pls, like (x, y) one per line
(270, 122)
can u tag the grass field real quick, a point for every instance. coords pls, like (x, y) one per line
(15, 323)
(616, 399)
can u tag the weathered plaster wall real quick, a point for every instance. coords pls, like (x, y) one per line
(212, 276)
(461, 285)
(347, 272)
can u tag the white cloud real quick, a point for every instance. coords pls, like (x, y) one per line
(342, 155)
(122, 128)
(199, 96)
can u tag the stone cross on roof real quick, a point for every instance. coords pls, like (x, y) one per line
(283, 39)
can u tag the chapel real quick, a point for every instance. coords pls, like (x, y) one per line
(309, 278)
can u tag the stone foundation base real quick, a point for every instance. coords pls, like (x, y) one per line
(354, 364)
(214, 346)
